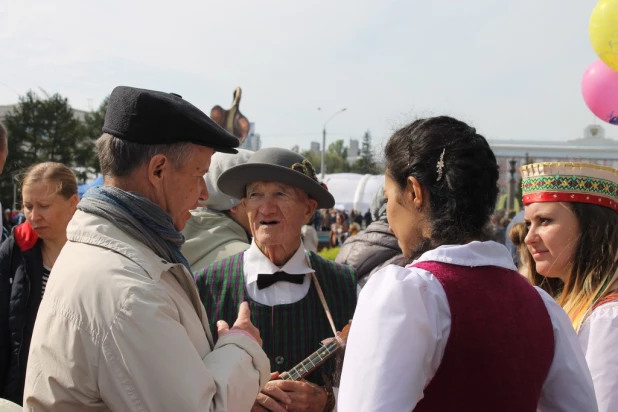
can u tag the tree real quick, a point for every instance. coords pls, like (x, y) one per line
(92, 125)
(43, 129)
(314, 158)
(338, 148)
(336, 158)
(366, 163)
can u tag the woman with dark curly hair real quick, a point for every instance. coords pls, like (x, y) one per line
(458, 328)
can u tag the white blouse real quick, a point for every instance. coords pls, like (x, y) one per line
(599, 339)
(401, 326)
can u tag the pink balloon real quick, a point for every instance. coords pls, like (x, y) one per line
(600, 90)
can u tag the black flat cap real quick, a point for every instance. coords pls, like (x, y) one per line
(150, 117)
(276, 165)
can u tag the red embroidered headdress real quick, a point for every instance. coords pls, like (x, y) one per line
(570, 182)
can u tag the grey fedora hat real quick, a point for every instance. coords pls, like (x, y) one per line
(276, 165)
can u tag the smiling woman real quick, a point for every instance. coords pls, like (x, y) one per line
(572, 219)
(49, 192)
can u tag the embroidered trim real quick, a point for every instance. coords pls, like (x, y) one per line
(576, 184)
(580, 189)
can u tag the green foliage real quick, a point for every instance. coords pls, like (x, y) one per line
(366, 164)
(330, 254)
(337, 158)
(92, 125)
(44, 129)
(338, 149)
(314, 158)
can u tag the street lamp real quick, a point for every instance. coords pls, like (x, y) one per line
(511, 199)
(323, 161)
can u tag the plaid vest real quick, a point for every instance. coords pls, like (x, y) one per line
(290, 332)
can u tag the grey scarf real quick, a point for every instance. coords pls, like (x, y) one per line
(139, 218)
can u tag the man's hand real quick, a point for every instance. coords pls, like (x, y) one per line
(243, 323)
(281, 396)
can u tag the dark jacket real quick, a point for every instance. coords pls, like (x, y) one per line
(369, 250)
(21, 273)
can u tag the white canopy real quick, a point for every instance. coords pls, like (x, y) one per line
(353, 191)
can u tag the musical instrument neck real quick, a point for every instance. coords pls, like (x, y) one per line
(312, 362)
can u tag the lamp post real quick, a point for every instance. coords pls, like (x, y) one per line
(511, 202)
(323, 160)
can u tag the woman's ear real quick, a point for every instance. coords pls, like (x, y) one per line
(73, 201)
(414, 192)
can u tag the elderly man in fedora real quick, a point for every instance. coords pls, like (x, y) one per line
(282, 281)
(121, 326)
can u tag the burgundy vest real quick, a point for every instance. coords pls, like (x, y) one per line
(501, 343)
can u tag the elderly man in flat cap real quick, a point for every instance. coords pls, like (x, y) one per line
(220, 228)
(121, 326)
(281, 280)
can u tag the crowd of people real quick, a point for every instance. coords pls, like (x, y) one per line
(190, 281)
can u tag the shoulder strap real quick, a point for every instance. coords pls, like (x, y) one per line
(324, 304)
(318, 288)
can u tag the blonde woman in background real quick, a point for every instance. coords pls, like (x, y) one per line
(571, 211)
(49, 194)
(354, 229)
(517, 236)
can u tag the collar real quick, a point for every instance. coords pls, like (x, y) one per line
(257, 263)
(472, 254)
(94, 230)
(25, 236)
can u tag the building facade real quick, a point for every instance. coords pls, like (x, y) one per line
(594, 147)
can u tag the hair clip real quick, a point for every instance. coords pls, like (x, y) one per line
(440, 165)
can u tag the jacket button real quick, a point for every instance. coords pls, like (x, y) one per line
(279, 360)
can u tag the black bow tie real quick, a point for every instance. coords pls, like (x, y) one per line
(264, 281)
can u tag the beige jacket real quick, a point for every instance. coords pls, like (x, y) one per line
(211, 236)
(121, 329)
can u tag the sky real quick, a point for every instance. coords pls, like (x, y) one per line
(512, 69)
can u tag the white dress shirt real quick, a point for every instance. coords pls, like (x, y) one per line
(401, 327)
(599, 339)
(281, 293)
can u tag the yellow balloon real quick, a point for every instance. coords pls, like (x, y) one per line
(604, 32)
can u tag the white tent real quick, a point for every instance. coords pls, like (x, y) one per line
(353, 191)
